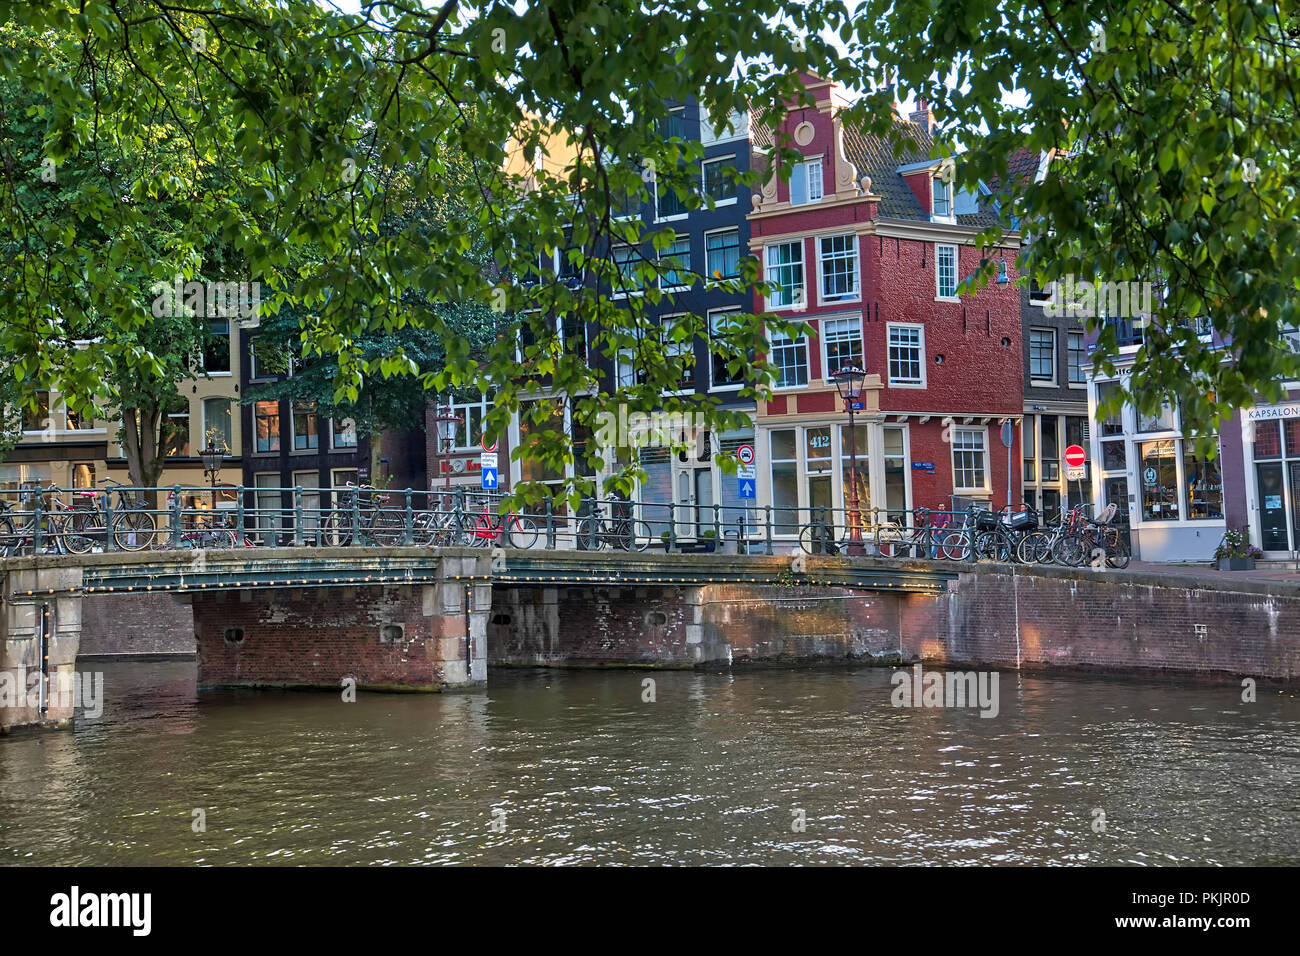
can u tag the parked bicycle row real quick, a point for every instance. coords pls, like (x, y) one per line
(120, 518)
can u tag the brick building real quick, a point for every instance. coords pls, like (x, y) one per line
(869, 249)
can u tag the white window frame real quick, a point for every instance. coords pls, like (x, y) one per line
(685, 270)
(679, 348)
(231, 334)
(889, 346)
(806, 170)
(460, 440)
(939, 249)
(708, 272)
(714, 161)
(983, 432)
(1083, 357)
(710, 317)
(334, 437)
(624, 292)
(856, 323)
(203, 416)
(856, 294)
(676, 217)
(799, 301)
(1037, 379)
(936, 181)
(775, 339)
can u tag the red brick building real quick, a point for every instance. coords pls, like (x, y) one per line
(869, 249)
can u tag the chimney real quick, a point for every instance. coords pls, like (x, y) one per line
(922, 116)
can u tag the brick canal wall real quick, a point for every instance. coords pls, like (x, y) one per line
(136, 626)
(407, 637)
(1138, 623)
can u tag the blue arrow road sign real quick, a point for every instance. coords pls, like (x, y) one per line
(489, 478)
(747, 487)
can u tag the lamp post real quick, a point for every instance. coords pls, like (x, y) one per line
(848, 382)
(447, 421)
(212, 457)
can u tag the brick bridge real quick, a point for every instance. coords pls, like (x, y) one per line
(421, 619)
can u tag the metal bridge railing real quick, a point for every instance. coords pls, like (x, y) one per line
(115, 517)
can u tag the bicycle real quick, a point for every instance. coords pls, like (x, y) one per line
(820, 535)
(375, 524)
(134, 526)
(439, 527)
(55, 527)
(491, 527)
(596, 532)
(925, 540)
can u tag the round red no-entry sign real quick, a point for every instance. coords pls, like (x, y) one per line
(1074, 456)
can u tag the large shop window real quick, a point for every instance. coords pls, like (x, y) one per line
(1160, 480)
(846, 478)
(1204, 485)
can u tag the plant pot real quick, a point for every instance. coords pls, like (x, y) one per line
(1236, 564)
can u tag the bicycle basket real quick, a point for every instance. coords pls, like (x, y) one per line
(1021, 520)
(986, 521)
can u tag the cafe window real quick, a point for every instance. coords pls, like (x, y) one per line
(1204, 497)
(1159, 463)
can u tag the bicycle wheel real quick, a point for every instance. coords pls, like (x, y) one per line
(812, 539)
(1070, 550)
(1117, 553)
(388, 529)
(220, 538)
(641, 535)
(895, 547)
(133, 530)
(1034, 548)
(955, 545)
(583, 531)
(8, 537)
(522, 532)
(992, 545)
(336, 530)
(75, 538)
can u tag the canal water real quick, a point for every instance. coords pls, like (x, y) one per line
(577, 767)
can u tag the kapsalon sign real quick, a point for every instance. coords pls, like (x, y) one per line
(1265, 413)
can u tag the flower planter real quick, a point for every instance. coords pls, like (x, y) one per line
(1236, 564)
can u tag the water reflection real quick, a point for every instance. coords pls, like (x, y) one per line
(713, 771)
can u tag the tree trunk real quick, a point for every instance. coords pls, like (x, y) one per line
(141, 428)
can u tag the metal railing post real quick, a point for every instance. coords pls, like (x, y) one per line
(550, 524)
(239, 515)
(768, 522)
(176, 516)
(974, 532)
(38, 520)
(717, 525)
(409, 536)
(672, 525)
(110, 542)
(297, 516)
(740, 535)
(591, 524)
(356, 516)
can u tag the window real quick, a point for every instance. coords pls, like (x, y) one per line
(674, 124)
(722, 333)
(267, 502)
(309, 482)
(717, 186)
(906, 355)
(942, 205)
(573, 335)
(1049, 440)
(1042, 355)
(266, 422)
(843, 341)
(969, 468)
(1075, 357)
(668, 203)
(304, 428)
(1113, 424)
(1159, 480)
(1027, 431)
(722, 254)
(216, 347)
(839, 257)
(675, 265)
(785, 272)
(785, 480)
(216, 423)
(790, 356)
(83, 475)
(945, 266)
(1166, 420)
(176, 432)
(38, 418)
(628, 261)
(806, 182)
(679, 352)
(895, 471)
(343, 433)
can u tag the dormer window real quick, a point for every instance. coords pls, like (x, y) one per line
(806, 183)
(942, 193)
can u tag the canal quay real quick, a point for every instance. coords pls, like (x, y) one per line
(575, 708)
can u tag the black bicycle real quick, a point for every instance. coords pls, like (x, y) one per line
(360, 518)
(595, 532)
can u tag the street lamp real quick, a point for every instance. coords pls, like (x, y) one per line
(212, 458)
(848, 382)
(447, 421)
